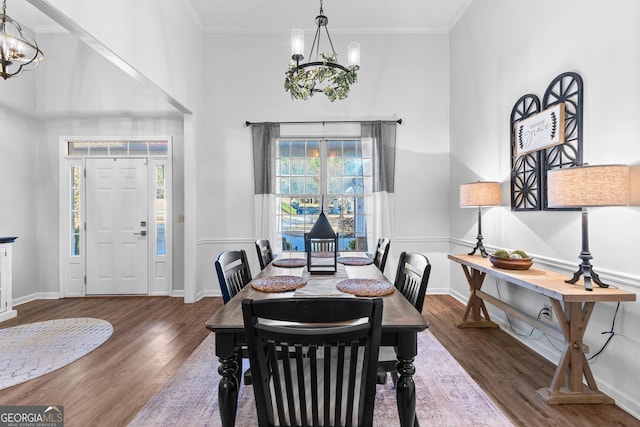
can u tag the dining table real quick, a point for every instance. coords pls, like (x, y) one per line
(401, 322)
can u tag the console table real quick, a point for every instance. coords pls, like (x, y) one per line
(572, 305)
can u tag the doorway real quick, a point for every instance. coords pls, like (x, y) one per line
(119, 242)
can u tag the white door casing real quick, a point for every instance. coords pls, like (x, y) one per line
(77, 154)
(116, 226)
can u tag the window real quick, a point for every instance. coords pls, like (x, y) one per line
(161, 212)
(338, 169)
(75, 210)
(118, 148)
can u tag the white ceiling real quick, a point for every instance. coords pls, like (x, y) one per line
(260, 16)
(278, 16)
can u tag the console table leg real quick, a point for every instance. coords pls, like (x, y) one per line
(228, 390)
(475, 305)
(567, 386)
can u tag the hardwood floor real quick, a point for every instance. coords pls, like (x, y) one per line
(510, 372)
(154, 335)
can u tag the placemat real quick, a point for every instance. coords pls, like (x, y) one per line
(323, 254)
(355, 260)
(289, 262)
(366, 287)
(278, 283)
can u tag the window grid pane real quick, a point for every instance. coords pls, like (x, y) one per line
(117, 148)
(302, 172)
(161, 213)
(75, 210)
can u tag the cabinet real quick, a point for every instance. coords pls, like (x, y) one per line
(6, 300)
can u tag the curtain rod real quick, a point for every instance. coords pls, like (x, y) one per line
(248, 123)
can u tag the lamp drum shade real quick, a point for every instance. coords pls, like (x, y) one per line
(480, 194)
(584, 186)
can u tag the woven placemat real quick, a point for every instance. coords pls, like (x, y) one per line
(366, 287)
(355, 260)
(289, 262)
(323, 254)
(278, 283)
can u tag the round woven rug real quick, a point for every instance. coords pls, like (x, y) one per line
(32, 350)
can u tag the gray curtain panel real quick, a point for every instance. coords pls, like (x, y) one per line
(264, 136)
(383, 135)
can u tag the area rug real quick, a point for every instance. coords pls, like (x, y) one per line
(32, 350)
(446, 394)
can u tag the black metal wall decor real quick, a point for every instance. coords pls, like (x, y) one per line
(529, 171)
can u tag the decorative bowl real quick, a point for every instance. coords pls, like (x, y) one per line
(511, 263)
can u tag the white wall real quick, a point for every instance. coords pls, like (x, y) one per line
(160, 43)
(17, 186)
(501, 50)
(245, 76)
(81, 94)
(74, 92)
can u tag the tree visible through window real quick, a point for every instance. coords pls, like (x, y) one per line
(338, 169)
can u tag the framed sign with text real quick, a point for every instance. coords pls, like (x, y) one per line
(542, 130)
(545, 134)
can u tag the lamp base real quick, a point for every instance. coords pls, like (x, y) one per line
(586, 270)
(479, 247)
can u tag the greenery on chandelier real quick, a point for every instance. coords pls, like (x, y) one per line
(301, 84)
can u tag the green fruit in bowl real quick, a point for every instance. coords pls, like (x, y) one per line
(520, 252)
(515, 256)
(501, 253)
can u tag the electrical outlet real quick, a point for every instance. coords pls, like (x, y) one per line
(546, 312)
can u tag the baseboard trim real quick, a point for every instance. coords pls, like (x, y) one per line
(36, 296)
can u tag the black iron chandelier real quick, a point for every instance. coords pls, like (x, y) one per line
(324, 74)
(18, 51)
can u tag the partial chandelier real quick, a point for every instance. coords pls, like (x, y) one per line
(325, 74)
(18, 51)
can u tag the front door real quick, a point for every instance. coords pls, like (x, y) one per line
(116, 226)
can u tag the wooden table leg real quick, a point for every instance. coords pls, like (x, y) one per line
(229, 379)
(405, 387)
(567, 386)
(475, 304)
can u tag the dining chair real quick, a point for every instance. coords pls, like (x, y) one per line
(265, 254)
(382, 250)
(412, 278)
(233, 273)
(313, 359)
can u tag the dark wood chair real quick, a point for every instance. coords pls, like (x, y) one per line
(233, 273)
(382, 250)
(412, 278)
(320, 370)
(265, 254)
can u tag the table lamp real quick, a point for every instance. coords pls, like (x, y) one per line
(582, 187)
(479, 194)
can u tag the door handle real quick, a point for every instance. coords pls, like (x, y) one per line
(142, 233)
